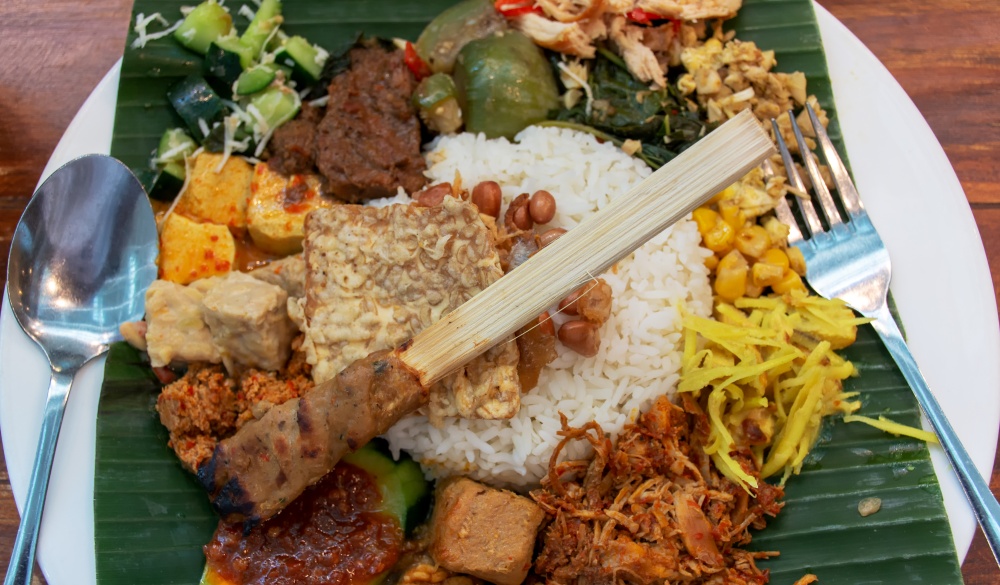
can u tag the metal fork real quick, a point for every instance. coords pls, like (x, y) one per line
(847, 260)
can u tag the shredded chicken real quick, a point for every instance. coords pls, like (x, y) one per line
(691, 9)
(574, 27)
(650, 508)
(640, 59)
(568, 38)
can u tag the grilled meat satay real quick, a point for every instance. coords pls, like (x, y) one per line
(269, 462)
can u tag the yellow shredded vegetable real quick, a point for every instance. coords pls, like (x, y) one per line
(895, 428)
(766, 373)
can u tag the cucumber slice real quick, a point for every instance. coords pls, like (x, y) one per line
(305, 60)
(276, 105)
(267, 18)
(175, 145)
(256, 79)
(411, 479)
(383, 469)
(416, 493)
(166, 181)
(195, 101)
(226, 58)
(207, 22)
(163, 184)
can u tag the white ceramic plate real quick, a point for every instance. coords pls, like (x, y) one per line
(941, 283)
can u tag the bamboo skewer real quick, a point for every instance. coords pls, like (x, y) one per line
(712, 164)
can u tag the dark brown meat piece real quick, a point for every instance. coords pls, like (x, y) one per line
(484, 532)
(270, 461)
(292, 148)
(368, 143)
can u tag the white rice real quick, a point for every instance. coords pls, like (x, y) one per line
(641, 344)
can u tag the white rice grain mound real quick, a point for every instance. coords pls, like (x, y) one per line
(641, 344)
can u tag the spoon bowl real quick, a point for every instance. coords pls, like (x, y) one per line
(82, 257)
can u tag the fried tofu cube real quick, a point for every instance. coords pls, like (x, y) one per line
(175, 329)
(289, 273)
(484, 532)
(218, 195)
(249, 322)
(278, 207)
(190, 250)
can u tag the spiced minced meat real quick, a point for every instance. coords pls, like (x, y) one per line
(206, 405)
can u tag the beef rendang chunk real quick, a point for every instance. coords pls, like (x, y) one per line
(368, 142)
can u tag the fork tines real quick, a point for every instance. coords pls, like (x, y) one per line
(842, 182)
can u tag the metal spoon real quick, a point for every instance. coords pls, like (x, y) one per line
(81, 259)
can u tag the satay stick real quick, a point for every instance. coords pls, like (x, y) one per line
(712, 164)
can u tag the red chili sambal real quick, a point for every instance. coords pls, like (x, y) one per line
(334, 533)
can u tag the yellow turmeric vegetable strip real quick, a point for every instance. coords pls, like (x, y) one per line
(761, 368)
(730, 468)
(895, 428)
(719, 332)
(781, 415)
(800, 415)
(702, 378)
(758, 303)
(732, 315)
(696, 361)
(690, 344)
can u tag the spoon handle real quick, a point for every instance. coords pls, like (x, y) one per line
(22, 559)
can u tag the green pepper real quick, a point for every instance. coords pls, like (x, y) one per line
(436, 99)
(451, 30)
(504, 84)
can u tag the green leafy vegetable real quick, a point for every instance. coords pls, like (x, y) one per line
(627, 109)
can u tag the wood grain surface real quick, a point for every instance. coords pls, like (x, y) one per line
(945, 54)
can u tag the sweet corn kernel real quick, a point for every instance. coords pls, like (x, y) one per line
(764, 274)
(705, 218)
(753, 291)
(752, 241)
(776, 257)
(731, 276)
(720, 238)
(796, 261)
(789, 282)
(711, 262)
(726, 193)
(732, 214)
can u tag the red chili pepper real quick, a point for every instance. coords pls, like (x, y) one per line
(640, 16)
(166, 375)
(417, 66)
(512, 8)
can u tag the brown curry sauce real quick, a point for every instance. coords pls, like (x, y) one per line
(334, 533)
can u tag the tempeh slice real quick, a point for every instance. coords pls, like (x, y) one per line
(376, 277)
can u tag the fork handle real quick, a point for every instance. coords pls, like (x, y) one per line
(977, 491)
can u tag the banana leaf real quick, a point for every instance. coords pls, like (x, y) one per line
(151, 518)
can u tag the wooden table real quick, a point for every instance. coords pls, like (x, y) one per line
(945, 53)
